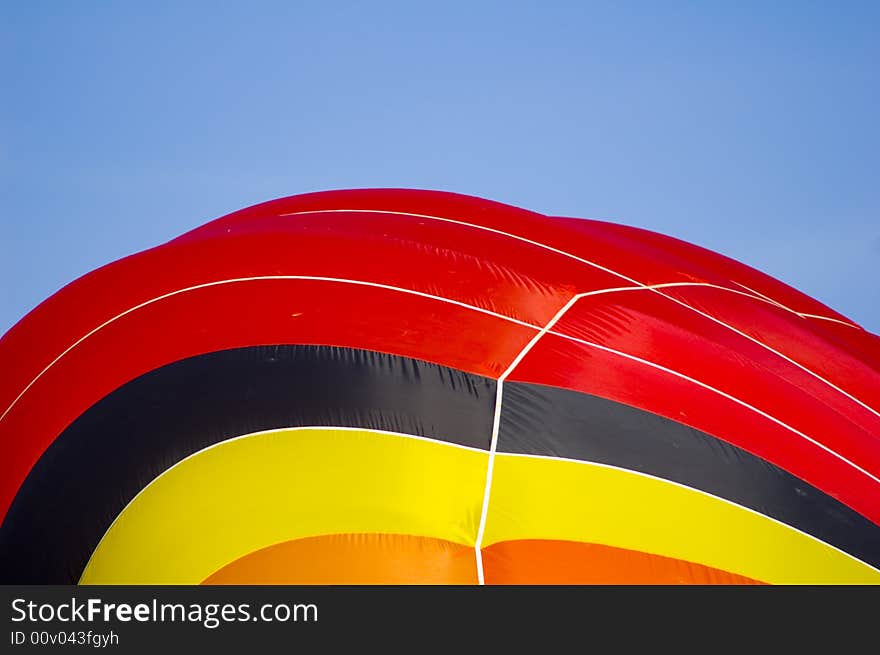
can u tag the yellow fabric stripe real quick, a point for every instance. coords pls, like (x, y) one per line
(535, 498)
(254, 491)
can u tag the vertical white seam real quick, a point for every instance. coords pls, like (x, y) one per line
(496, 425)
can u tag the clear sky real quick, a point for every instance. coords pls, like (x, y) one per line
(750, 128)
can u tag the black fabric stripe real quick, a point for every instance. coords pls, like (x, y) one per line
(543, 420)
(103, 459)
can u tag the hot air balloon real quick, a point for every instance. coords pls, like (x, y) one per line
(402, 386)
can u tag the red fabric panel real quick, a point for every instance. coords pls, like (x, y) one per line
(474, 267)
(862, 344)
(646, 256)
(662, 258)
(804, 340)
(644, 324)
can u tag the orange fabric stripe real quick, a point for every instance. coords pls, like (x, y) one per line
(406, 559)
(540, 561)
(357, 559)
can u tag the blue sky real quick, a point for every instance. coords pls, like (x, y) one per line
(746, 127)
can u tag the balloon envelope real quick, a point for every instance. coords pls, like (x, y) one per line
(400, 386)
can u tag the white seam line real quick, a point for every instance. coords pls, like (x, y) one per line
(758, 297)
(721, 393)
(858, 328)
(387, 287)
(754, 294)
(771, 349)
(767, 298)
(621, 275)
(250, 279)
(479, 227)
(496, 425)
(260, 433)
(694, 489)
(801, 314)
(388, 433)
